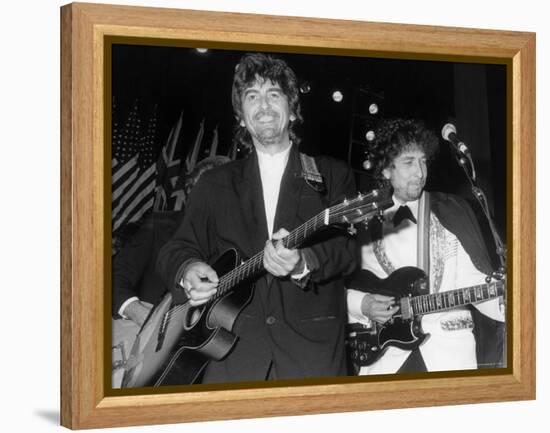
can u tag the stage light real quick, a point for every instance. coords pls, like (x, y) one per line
(202, 50)
(370, 135)
(305, 87)
(373, 108)
(337, 96)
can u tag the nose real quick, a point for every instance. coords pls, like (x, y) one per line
(264, 102)
(420, 170)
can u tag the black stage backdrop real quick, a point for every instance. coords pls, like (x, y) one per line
(167, 81)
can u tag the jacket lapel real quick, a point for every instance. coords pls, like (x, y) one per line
(289, 194)
(249, 190)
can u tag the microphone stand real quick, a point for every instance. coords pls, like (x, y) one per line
(465, 161)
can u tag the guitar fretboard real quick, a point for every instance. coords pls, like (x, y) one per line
(435, 302)
(254, 266)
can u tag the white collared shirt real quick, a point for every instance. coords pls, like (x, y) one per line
(395, 238)
(272, 168)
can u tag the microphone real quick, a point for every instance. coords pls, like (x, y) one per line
(448, 132)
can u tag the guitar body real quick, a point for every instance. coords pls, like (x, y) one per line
(367, 344)
(183, 338)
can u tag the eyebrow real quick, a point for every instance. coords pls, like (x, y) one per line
(250, 90)
(410, 158)
(270, 89)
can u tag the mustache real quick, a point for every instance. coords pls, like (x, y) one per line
(262, 113)
(418, 183)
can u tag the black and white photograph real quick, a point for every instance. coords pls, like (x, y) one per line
(243, 216)
(284, 216)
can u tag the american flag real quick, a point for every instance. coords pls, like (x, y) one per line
(133, 169)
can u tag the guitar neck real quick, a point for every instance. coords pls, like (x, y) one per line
(254, 266)
(435, 302)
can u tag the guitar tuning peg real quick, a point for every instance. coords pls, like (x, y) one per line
(498, 275)
(352, 230)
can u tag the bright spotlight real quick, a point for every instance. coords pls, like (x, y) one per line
(337, 96)
(373, 108)
(370, 135)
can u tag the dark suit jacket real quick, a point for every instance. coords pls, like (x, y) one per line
(299, 332)
(134, 272)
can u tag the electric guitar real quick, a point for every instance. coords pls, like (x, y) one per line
(204, 332)
(410, 288)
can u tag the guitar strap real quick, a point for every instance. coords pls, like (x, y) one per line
(382, 257)
(311, 174)
(423, 233)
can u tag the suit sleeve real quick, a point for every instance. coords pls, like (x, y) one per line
(334, 256)
(190, 241)
(130, 264)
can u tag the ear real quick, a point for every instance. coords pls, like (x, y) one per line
(386, 173)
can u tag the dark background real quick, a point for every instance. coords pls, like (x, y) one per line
(472, 96)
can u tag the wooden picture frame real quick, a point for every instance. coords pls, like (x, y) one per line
(85, 402)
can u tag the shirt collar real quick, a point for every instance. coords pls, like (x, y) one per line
(271, 161)
(413, 206)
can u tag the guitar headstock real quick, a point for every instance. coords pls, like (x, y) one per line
(361, 208)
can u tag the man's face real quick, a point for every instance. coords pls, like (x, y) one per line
(266, 113)
(407, 174)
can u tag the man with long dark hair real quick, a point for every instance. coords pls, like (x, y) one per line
(293, 324)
